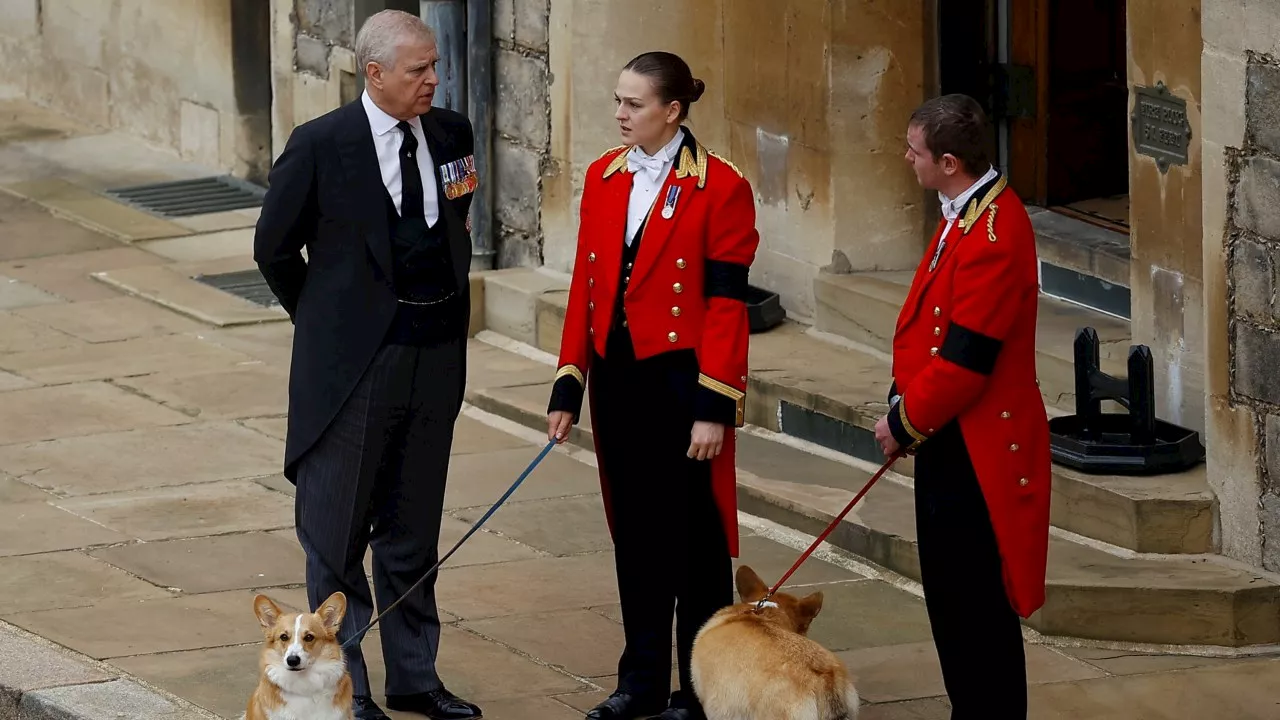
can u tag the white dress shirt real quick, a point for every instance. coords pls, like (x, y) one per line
(649, 172)
(387, 139)
(951, 208)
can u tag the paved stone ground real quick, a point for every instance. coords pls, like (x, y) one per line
(141, 508)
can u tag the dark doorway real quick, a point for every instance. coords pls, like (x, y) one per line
(968, 58)
(251, 76)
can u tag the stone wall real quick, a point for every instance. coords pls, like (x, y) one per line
(522, 128)
(809, 99)
(1241, 220)
(180, 75)
(1166, 276)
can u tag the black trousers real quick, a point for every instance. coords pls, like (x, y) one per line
(977, 633)
(672, 559)
(377, 478)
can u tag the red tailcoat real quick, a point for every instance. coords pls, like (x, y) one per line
(687, 290)
(965, 348)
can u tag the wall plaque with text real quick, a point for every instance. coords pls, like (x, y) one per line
(1161, 129)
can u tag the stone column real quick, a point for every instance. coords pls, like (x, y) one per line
(1241, 221)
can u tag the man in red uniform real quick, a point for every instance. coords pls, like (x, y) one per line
(965, 401)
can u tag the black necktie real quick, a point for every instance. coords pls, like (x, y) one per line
(411, 187)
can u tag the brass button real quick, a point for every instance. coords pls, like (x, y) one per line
(680, 263)
(937, 311)
(675, 311)
(744, 378)
(591, 331)
(624, 322)
(1013, 447)
(591, 305)
(1005, 414)
(937, 331)
(1037, 382)
(678, 288)
(591, 282)
(672, 336)
(628, 266)
(626, 280)
(1022, 482)
(933, 351)
(591, 257)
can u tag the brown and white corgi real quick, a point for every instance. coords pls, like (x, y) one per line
(753, 665)
(304, 675)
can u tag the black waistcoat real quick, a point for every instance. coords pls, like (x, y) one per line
(430, 308)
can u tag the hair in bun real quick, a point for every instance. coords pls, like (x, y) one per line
(671, 78)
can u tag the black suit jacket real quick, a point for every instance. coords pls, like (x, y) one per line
(326, 194)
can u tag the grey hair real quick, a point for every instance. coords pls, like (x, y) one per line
(383, 32)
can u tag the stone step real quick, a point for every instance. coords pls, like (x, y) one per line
(832, 395)
(863, 307)
(1091, 594)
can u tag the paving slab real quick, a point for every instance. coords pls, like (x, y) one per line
(57, 580)
(173, 287)
(209, 564)
(225, 220)
(64, 412)
(480, 479)
(491, 367)
(30, 232)
(118, 628)
(70, 276)
(1217, 692)
(9, 381)
(219, 679)
(241, 392)
(144, 458)
(1120, 662)
(120, 318)
(771, 561)
(28, 663)
(16, 294)
(545, 584)
(38, 527)
(140, 356)
(482, 670)
(905, 672)
(95, 211)
(867, 613)
(270, 342)
(929, 709)
(472, 436)
(561, 526)
(276, 427)
(14, 491)
(582, 642)
(185, 511)
(105, 701)
(484, 547)
(206, 246)
(18, 333)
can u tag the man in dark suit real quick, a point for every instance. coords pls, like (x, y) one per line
(378, 192)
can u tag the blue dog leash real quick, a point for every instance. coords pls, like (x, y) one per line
(360, 635)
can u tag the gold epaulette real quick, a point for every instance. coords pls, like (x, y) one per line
(615, 148)
(977, 208)
(619, 161)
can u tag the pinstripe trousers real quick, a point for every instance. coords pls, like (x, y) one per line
(376, 478)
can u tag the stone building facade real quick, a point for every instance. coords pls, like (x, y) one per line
(1155, 187)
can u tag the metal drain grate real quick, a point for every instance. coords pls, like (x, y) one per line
(181, 198)
(247, 284)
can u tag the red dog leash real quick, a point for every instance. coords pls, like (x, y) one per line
(805, 556)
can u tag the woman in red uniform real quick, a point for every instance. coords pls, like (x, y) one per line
(657, 319)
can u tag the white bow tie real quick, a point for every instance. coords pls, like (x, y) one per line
(637, 160)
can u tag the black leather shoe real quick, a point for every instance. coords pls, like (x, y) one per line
(679, 713)
(624, 706)
(437, 705)
(365, 708)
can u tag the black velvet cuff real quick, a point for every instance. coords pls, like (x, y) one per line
(566, 396)
(711, 406)
(898, 427)
(727, 280)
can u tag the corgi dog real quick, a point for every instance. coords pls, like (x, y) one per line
(753, 665)
(304, 674)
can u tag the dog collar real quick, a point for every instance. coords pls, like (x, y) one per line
(768, 603)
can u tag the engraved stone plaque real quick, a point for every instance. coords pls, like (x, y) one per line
(1161, 129)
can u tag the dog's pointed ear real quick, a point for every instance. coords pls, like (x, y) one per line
(807, 609)
(750, 587)
(266, 610)
(332, 611)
